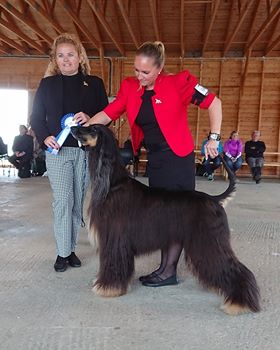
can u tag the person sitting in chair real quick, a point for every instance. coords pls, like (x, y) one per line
(23, 152)
(254, 150)
(211, 164)
(3, 147)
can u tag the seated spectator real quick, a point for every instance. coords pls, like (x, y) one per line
(23, 152)
(3, 147)
(233, 151)
(39, 157)
(254, 150)
(211, 164)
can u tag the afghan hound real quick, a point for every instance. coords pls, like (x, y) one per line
(131, 219)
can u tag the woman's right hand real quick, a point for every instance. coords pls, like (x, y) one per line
(50, 141)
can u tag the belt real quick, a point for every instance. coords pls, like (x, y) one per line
(155, 147)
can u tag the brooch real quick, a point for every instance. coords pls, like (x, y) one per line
(85, 83)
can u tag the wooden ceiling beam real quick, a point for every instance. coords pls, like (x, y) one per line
(217, 3)
(264, 26)
(154, 18)
(127, 22)
(37, 7)
(79, 23)
(182, 15)
(274, 44)
(22, 36)
(25, 20)
(12, 43)
(275, 27)
(93, 5)
(230, 40)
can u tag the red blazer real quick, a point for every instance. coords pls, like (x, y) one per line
(173, 94)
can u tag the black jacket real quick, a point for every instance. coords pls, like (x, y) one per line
(48, 104)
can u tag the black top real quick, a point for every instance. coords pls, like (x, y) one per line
(58, 95)
(146, 119)
(24, 143)
(254, 149)
(71, 101)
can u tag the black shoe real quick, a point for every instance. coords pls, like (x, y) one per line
(145, 277)
(60, 264)
(73, 260)
(157, 281)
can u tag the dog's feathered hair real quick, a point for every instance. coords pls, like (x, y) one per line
(131, 219)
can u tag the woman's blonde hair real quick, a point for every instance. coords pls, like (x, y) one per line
(67, 38)
(153, 50)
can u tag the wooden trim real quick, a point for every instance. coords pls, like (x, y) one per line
(261, 97)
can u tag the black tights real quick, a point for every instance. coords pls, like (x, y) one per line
(169, 260)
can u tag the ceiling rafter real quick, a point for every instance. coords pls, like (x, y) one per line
(264, 26)
(182, 15)
(217, 3)
(252, 26)
(105, 25)
(274, 44)
(275, 25)
(154, 18)
(6, 48)
(231, 15)
(37, 7)
(13, 44)
(127, 22)
(115, 7)
(25, 20)
(79, 23)
(15, 30)
(245, 11)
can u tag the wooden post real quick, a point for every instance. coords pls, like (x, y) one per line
(221, 79)
(261, 97)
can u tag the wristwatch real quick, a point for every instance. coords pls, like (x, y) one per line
(214, 136)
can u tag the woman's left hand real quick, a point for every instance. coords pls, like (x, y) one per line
(81, 118)
(211, 149)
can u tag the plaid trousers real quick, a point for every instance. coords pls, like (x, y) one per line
(68, 175)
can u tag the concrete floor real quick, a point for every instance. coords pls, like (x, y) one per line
(44, 310)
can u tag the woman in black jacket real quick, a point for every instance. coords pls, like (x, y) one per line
(66, 89)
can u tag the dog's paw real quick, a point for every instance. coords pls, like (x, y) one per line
(234, 309)
(108, 292)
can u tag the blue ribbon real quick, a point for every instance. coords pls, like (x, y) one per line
(66, 123)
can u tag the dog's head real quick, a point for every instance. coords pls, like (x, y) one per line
(87, 135)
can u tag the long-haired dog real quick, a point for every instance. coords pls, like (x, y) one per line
(131, 219)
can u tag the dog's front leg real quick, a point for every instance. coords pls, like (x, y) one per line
(115, 270)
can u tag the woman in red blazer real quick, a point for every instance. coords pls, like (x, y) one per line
(156, 107)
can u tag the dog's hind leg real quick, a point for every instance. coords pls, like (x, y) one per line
(116, 267)
(216, 267)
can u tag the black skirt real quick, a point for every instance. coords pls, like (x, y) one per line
(167, 170)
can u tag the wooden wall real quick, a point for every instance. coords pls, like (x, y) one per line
(247, 105)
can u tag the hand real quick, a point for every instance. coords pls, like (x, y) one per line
(211, 149)
(81, 118)
(50, 141)
(20, 154)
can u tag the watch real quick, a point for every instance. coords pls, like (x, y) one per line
(214, 136)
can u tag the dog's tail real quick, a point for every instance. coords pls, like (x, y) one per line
(229, 192)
